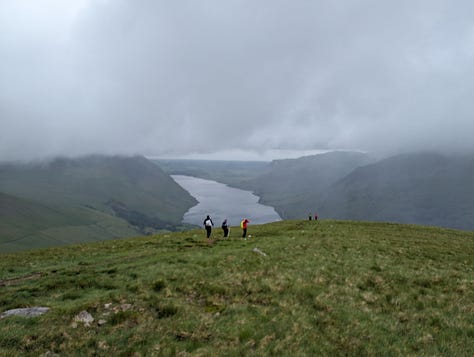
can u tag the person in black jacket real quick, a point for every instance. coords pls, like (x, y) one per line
(208, 225)
(225, 228)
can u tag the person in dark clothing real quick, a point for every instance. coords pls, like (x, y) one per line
(315, 216)
(208, 225)
(310, 216)
(225, 228)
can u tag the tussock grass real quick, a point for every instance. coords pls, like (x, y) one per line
(327, 287)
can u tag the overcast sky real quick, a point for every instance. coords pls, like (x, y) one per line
(177, 78)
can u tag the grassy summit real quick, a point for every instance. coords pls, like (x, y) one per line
(328, 287)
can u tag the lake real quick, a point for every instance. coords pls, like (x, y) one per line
(221, 201)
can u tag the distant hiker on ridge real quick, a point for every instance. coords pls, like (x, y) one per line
(208, 225)
(243, 224)
(310, 216)
(315, 216)
(225, 228)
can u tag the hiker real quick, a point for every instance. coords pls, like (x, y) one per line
(310, 216)
(315, 216)
(208, 225)
(225, 228)
(243, 225)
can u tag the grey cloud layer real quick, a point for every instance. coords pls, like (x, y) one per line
(161, 77)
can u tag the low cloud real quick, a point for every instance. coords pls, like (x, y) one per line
(196, 77)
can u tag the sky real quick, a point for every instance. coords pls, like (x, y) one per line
(235, 78)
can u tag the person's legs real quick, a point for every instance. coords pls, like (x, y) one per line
(244, 234)
(208, 231)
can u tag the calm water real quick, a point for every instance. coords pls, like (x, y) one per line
(221, 201)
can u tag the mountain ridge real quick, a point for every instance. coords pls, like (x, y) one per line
(78, 195)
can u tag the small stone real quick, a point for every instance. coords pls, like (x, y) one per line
(74, 325)
(107, 306)
(84, 317)
(101, 322)
(125, 307)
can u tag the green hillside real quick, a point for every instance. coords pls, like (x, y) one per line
(87, 199)
(322, 288)
(26, 225)
(422, 188)
(295, 187)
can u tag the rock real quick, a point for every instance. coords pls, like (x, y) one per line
(125, 307)
(84, 317)
(25, 312)
(107, 306)
(258, 251)
(101, 322)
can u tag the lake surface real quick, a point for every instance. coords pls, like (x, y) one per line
(221, 201)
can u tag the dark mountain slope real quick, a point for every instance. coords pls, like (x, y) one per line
(27, 224)
(94, 196)
(425, 188)
(95, 181)
(297, 186)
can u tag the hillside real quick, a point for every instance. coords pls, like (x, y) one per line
(323, 288)
(91, 198)
(228, 172)
(26, 225)
(295, 187)
(423, 188)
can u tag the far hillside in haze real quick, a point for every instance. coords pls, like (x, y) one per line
(91, 198)
(296, 187)
(229, 172)
(424, 188)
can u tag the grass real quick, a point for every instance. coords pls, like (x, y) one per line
(325, 288)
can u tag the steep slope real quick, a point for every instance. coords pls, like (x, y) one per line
(424, 188)
(27, 224)
(131, 194)
(297, 186)
(95, 180)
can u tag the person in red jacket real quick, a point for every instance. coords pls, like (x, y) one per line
(243, 224)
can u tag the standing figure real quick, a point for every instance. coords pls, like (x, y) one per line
(208, 225)
(315, 216)
(310, 216)
(225, 228)
(243, 224)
